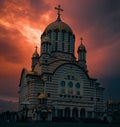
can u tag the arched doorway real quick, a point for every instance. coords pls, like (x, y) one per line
(67, 112)
(82, 113)
(75, 113)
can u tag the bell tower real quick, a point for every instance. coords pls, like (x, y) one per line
(82, 55)
(35, 58)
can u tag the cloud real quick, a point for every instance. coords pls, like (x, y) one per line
(22, 22)
(8, 106)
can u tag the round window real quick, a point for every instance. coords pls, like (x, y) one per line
(70, 84)
(77, 85)
(62, 83)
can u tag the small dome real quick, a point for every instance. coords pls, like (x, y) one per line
(82, 47)
(35, 54)
(42, 96)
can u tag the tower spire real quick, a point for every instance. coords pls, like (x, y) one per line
(36, 48)
(59, 9)
(81, 39)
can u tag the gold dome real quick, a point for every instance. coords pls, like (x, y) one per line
(42, 96)
(58, 25)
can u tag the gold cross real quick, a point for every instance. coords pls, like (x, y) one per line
(59, 9)
(81, 39)
(36, 48)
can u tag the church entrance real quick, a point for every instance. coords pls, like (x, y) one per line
(44, 116)
(67, 112)
(75, 113)
(60, 113)
(82, 113)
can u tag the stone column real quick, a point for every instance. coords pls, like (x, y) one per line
(55, 112)
(70, 112)
(78, 112)
(63, 112)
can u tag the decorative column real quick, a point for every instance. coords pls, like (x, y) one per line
(70, 112)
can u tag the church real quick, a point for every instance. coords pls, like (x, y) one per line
(58, 85)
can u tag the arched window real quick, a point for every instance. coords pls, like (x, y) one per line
(77, 85)
(56, 46)
(82, 113)
(63, 46)
(69, 48)
(75, 113)
(70, 84)
(69, 37)
(56, 34)
(62, 84)
(50, 34)
(67, 112)
(63, 35)
(46, 48)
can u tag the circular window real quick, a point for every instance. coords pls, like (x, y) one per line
(62, 83)
(77, 85)
(70, 84)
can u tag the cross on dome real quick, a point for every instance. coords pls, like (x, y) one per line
(36, 48)
(59, 9)
(81, 39)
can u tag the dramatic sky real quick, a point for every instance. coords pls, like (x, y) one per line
(23, 21)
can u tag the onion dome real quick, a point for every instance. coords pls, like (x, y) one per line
(81, 47)
(42, 96)
(35, 54)
(58, 24)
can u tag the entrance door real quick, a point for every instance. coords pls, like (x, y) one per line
(67, 112)
(75, 113)
(82, 113)
(60, 113)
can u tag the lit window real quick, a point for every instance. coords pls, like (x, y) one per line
(78, 93)
(63, 91)
(70, 91)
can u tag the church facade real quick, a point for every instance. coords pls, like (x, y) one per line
(59, 86)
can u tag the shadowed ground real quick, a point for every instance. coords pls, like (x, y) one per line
(47, 124)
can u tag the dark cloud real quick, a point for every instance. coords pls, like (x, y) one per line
(98, 21)
(11, 45)
(9, 85)
(8, 106)
(39, 7)
(29, 11)
(112, 87)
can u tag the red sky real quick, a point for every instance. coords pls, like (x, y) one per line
(23, 21)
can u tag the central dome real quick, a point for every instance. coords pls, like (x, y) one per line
(58, 25)
(60, 37)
